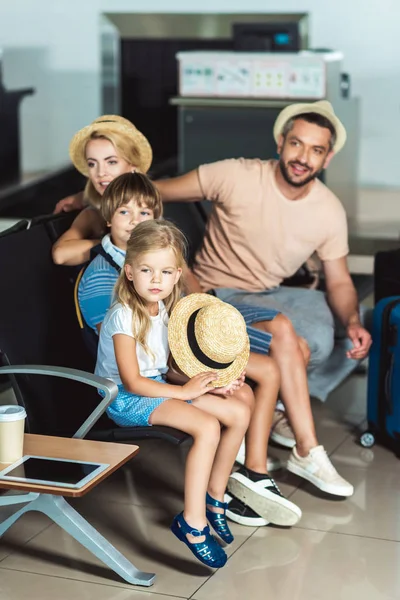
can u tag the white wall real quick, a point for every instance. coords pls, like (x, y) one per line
(53, 45)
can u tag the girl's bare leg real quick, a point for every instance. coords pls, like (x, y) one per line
(233, 412)
(205, 430)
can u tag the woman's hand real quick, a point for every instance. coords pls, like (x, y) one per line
(198, 385)
(70, 203)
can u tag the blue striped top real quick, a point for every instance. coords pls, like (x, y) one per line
(95, 290)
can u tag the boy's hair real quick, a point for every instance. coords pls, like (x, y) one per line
(125, 149)
(127, 187)
(149, 236)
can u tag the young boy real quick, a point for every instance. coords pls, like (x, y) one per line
(128, 200)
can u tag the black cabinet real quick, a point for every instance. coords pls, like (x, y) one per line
(10, 135)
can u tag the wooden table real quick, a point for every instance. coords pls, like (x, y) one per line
(70, 448)
(49, 500)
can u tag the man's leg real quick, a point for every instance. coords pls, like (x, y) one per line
(308, 311)
(286, 351)
(308, 459)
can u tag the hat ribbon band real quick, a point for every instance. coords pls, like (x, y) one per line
(195, 348)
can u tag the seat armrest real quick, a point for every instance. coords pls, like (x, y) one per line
(108, 387)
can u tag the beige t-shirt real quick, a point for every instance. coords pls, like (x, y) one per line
(255, 236)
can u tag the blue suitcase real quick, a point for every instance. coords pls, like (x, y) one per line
(383, 408)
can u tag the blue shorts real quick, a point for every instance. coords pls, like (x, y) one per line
(260, 341)
(130, 410)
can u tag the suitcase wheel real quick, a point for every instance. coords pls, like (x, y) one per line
(367, 439)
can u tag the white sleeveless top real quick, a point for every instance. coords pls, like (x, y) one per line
(119, 320)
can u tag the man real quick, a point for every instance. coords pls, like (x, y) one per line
(268, 218)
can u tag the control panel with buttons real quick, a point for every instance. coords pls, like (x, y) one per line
(255, 74)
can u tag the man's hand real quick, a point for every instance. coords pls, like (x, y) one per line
(361, 341)
(70, 203)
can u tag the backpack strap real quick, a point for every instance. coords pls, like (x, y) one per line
(100, 250)
(93, 253)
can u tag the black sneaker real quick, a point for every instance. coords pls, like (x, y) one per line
(260, 492)
(242, 514)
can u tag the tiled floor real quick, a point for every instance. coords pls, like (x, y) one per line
(341, 549)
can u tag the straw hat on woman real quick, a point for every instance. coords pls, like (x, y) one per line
(103, 150)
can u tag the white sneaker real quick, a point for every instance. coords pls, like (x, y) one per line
(273, 463)
(263, 496)
(281, 431)
(317, 468)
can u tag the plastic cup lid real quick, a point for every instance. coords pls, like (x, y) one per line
(12, 412)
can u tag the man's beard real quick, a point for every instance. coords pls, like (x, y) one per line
(298, 184)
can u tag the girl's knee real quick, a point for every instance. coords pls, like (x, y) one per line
(240, 408)
(206, 428)
(245, 394)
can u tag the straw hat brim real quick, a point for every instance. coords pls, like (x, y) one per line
(104, 124)
(180, 348)
(323, 108)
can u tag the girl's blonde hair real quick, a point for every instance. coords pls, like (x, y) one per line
(149, 236)
(125, 149)
(127, 187)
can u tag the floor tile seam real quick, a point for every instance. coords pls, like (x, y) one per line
(361, 418)
(125, 585)
(302, 483)
(124, 503)
(22, 544)
(229, 558)
(117, 502)
(344, 533)
(343, 441)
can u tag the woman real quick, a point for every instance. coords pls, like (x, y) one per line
(108, 147)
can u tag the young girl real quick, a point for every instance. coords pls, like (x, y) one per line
(133, 352)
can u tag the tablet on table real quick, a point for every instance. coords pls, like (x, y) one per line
(56, 472)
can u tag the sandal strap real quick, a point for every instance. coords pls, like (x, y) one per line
(217, 503)
(187, 529)
(218, 521)
(209, 552)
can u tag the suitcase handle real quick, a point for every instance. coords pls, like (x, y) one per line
(388, 386)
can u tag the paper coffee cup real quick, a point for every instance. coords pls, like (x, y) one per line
(12, 425)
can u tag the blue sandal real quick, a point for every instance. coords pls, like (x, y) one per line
(208, 552)
(218, 520)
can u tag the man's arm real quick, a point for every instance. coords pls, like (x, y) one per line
(342, 298)
(191, 283)
(185, 188)
(341, 293)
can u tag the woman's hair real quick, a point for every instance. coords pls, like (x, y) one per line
(126, 150)
(149, 236)
(127, 187)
